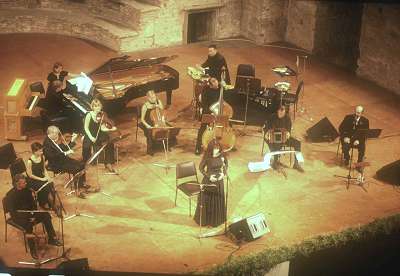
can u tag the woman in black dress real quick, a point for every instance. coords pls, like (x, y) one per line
(213, 166)
(37, 177)
(96, 134)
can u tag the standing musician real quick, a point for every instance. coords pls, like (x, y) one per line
(211, 202)
(209, 96)
(22, 198)
(96, 133)
(146, 123)
(57, 151)
(37, 177)
(215, 63)
(281, 120)
(347, 128)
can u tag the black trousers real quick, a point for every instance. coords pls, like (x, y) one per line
(200, 132)
(291, 142)
(149, 138)
(71, 166)
(347, 146)
(87, 146)
(24, 220)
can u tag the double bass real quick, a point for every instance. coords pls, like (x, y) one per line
(219, 128)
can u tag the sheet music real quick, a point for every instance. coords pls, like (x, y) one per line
(82, 82)
(266, 163)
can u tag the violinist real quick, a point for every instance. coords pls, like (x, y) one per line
(57, 151)
(209, 96)
(146, 123)
(96, 128)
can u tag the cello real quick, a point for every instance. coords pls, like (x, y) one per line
(219, 128)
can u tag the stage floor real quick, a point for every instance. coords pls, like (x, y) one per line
(140, 229)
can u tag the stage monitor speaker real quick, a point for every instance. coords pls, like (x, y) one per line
(390, 173)
(75, 265)
(323, 131)
(7, 156)
(250, 228)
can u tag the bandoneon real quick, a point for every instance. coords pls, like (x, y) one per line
(277, 135)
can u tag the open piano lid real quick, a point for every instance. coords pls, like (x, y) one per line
(125, 63)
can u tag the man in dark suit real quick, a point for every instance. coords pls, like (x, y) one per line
(216, 63)
(348, 136)
(281, 120)
(57, 155)
(22, 198)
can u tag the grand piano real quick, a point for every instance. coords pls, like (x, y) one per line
(122, 79)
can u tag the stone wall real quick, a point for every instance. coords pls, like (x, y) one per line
(379, 45)
(301, 20)
(264, 21)
(337, 32)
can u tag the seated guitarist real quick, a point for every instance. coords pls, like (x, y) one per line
(146, 124)
(281, 120)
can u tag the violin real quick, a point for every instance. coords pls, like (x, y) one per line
(106, 123)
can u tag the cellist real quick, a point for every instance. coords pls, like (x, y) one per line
(209, 96)
(146, 124)
(96, 133)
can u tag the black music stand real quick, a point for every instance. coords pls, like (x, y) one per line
(163, 135)
(64, 253)
(77, 213)
(359, 134)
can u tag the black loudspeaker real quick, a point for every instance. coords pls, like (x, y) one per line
(323, 131)
(390, 173)
(250, 228)
(75, 265)
(7, 155)
(37, 87)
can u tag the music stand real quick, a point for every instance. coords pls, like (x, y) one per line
(55, 193)
(90, 161)
(163, 134)
(359, 134)
(77, 213)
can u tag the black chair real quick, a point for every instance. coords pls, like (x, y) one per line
(9, 221)
(17, 167)
(292, 99)
(189, 187)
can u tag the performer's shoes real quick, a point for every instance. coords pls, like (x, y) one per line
(55, 242)
(110, 168)
(197, 152)
(275, 165)
(82, 195)
(86, 186)
(297, 167)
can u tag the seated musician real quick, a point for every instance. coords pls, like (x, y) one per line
(22, 198)
(56, 150)
(209, 96)
(281, 120)
(96, 133)
(38, 177)
(349, 138)
(145, 120)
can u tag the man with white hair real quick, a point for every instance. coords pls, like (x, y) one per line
(348, 136)
(56, 150)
